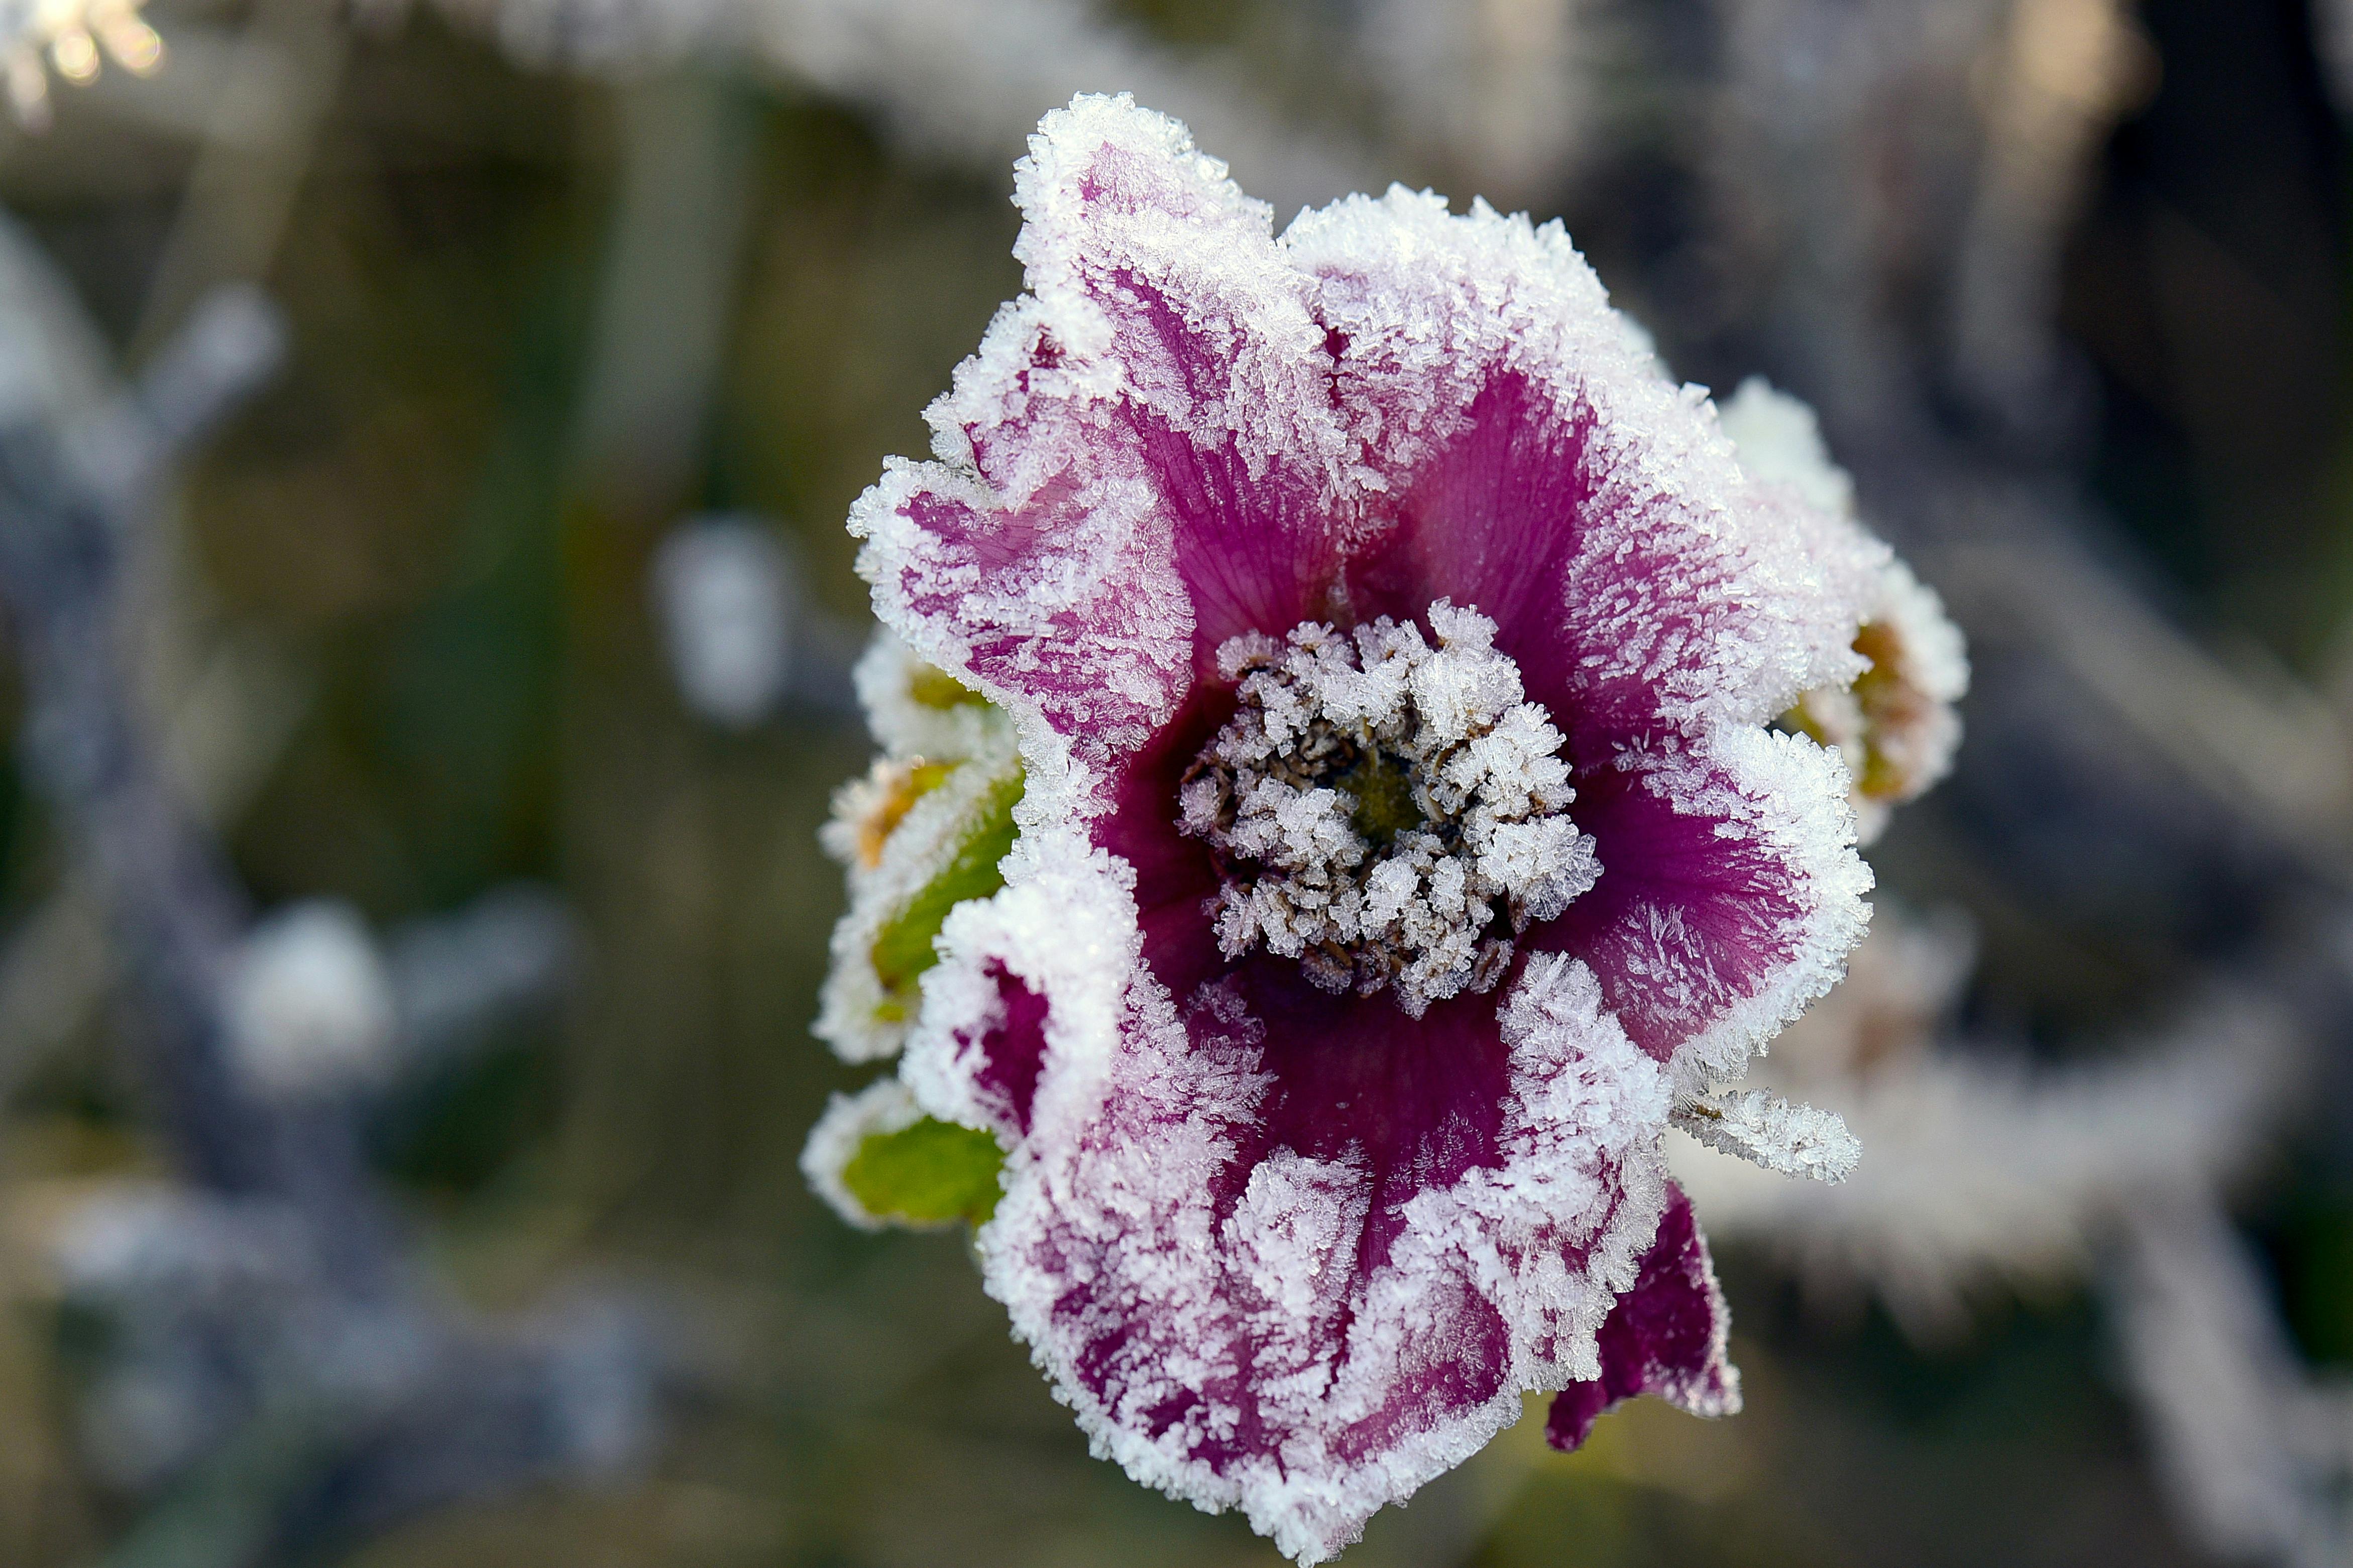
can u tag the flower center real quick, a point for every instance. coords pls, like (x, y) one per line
(1390, 814)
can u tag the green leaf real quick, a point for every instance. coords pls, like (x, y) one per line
(938, 688)
(902, 948)
(927, 1174)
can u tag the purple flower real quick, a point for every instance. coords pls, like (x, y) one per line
(1392, 655)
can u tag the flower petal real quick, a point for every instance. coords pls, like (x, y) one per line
(1137, 460)
(1547, 474)
(1281, 1253)
(1730, 894)
(1665, 1337)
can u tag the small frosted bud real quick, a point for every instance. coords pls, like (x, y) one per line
(310, 1009)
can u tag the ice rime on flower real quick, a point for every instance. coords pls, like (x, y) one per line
(1391, 656)
(923, 830)
(1894, 722)
(1386, 814)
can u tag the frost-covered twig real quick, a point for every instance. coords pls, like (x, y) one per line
(1978, 1169)
(2246, 1437)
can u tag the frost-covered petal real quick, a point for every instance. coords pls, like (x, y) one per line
(1729, 897)
(1249, 1300)
(1665, 1337)
(1546, 474)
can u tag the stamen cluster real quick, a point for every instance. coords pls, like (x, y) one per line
(1390, 814)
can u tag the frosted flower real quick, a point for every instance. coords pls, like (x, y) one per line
(1895, 723)
(1399, 839)
(72, 36)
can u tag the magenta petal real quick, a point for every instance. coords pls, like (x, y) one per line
(1665, 1337)
(1143, 448)
(1281, 1252)
(1728, 895)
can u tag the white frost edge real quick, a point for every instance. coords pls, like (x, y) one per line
(1772, 1133)
(849, 1119)
(917, 850)
(1793, 796)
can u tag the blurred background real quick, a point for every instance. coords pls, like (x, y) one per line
(425, 436)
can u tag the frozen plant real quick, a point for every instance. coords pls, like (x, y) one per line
(1400, 838)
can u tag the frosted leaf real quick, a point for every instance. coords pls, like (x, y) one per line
(917, 711)
(936, 1184)
(918, 837)
(1794, 1139)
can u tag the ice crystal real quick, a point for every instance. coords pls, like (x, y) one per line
(1388, 813)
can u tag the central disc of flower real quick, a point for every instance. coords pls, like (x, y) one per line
(1390, 814)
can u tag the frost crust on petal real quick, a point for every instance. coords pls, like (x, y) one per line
(1666, 1337)
(1163, 330)
(1207, 1316)
(1767, 1130)
(1684, 587)
(1776, 805)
